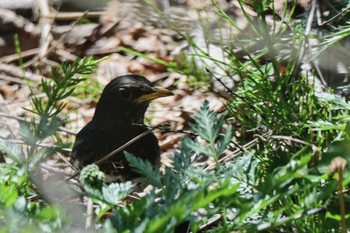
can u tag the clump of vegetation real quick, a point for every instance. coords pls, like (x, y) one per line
(20, 208)
(279, 153)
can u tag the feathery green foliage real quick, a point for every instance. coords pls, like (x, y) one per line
(280, 181)
(18, 178)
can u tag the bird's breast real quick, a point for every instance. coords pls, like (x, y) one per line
(92, 144)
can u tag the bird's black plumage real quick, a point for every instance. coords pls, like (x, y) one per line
(122, 104)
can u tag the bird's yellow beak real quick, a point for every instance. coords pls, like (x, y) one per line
(157, 93)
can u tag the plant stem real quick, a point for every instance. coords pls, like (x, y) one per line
(341, 202)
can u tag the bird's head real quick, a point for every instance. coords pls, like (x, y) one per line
(125, 99)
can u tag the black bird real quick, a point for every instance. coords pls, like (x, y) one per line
(118, 118)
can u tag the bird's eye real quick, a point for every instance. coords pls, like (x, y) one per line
(124, 93)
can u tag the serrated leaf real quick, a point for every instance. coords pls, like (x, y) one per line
(12, 150)
(197, 147)
(224, 140)
(208, 125)
(183, 157)
(338, 100)
(186, 204)
(242, 170)
(115, 192)
(145, 168)
(172, 185)
(325, 125)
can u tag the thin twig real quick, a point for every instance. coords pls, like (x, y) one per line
(74, 15)
(19, 22)
(210, 222)
(305, 40)
(12, 79)
(60, 40)
(337, 15)
(51, 169)
(67, 161)
(18, 72)
(223, 84)
(89, 213)
(290, 139)
(100, 161)
(14, 57)
(234, 154)
(46, 25)
(166, 128)
(232, 92)
(341, 202)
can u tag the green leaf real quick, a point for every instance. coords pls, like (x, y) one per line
(335, 149)
(339, 101)
(208, 125)
(185, 205)
(115, 192)
(49, 213)
(224, 140)
(13, 151)
(8, 195)
(145, 168)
